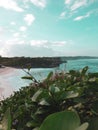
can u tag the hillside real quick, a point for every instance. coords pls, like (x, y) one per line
(25, 62)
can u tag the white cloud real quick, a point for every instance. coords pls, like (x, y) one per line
(38, 43)
(68, 1)
(48, 44)
(14, 47)
(16, 34)
(75, 4)
(13, 23)
(10, 5)
(12, 41)
(79, 18)
(22, 28)
(24, 36)
(82, 17)
(29, 18)
(39, 3)
(59, 43)
(21, 42)
(1, 30)
(73, 7)
(78, 4)
(62, 15)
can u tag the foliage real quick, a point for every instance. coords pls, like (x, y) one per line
(75, 90)
(6, 122)
(36, 62)
(66, 120)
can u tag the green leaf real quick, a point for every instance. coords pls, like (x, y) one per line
(72, 72)
(43, 102)
(36, 95)
(84, 70)
(27, 77)
(66, 120)
(6, 122)
(92, 79)
(84, 126)
(72, 94)
(37, 128)
(49, 75)
(32, 124)
(54, 89)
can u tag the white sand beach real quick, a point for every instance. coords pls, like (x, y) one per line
(5, 87)
(6, 70)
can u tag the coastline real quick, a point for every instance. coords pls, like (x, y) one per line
(5, 87)
(6, 70)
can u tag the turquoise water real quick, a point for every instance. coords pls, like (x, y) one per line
(79, 64)
(14, 78)
(17, 82)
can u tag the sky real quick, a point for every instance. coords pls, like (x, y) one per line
(38, 28)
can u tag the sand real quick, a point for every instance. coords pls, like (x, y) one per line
(6, 70)
(5, 87)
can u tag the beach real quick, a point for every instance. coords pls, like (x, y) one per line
(5, 87)
(10, 78)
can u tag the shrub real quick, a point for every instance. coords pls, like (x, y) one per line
(75, 90)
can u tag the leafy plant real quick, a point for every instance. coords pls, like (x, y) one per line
(31, 105)
(66, 120)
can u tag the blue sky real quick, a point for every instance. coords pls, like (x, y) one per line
(48, 28)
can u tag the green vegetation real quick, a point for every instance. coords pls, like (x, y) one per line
(38, 62)
(75, 94)
(6, 121)
(66, 120)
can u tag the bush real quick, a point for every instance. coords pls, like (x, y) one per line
(74, 91)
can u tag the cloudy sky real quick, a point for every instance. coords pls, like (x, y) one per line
(48, 27)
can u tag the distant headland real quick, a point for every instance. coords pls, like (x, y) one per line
(38, 62)
(26, 62)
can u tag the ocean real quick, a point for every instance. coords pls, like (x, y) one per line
(14, 78)
(79, 64)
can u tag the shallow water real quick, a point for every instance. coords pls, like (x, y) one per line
(14, 78)
(18, 82)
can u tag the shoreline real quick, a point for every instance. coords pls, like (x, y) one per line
(6, 88)
(6, 70)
